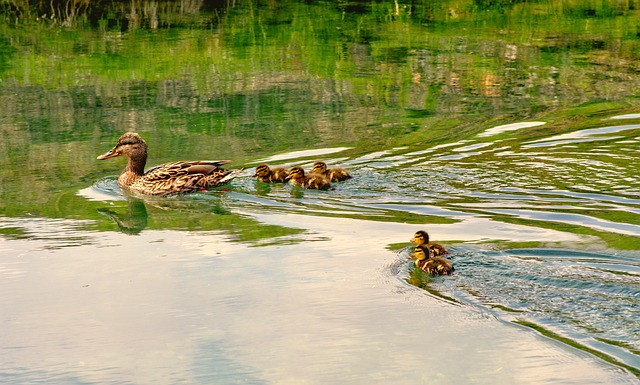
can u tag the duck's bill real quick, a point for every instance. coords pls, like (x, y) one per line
(107, 155)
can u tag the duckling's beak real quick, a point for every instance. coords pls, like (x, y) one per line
(287, 177)
(111, 154)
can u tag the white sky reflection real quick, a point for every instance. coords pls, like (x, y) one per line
(169, 307)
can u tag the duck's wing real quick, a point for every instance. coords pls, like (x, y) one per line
(173, 170)
(279, 174)
(317, 182)
(337, 174)
(438, 266)
(438, 249)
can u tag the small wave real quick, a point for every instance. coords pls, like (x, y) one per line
(509, 127)
(303, 154)
(105, 189)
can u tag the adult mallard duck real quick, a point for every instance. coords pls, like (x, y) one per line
(336, 174)
(311, 181)
(430, 264)
(422, 238)
(268, 175)
(169, 178)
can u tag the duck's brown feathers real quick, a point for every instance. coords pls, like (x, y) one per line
(169, 178)
(422, 238)
(178, 177)
(437, 249)
(313, 181)
(266, 174)
(436, 266)
(336, 174)
(431, 264)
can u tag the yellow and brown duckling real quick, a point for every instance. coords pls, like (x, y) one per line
(430, 264)
(422, 238)
(336, 174)
(310, 181)
(266, 174)
(169, 178)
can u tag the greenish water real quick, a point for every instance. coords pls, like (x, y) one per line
(509, 130)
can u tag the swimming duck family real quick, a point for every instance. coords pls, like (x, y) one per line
(266, 174)
(421, 237)
(336, 174)
(431, 264)
(313, 181)
(169, 178)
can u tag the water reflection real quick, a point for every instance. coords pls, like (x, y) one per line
(173, 307)
(130, 221)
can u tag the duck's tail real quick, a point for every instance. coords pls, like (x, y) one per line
(231, 175)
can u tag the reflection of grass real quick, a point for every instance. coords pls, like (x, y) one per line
(577, 345)
(620, 344)
(422, 280)
(505, 308)
(14, 233)
(618, 241)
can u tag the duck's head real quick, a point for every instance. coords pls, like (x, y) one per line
(295, 173)
(262, 170)
(130, 145)
(421, 252)
(420, 237)
(319, 167)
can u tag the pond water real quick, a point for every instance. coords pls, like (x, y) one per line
(511, 139)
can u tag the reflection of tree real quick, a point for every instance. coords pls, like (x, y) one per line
(127, 15)
(130, 221)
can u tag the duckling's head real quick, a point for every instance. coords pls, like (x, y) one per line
(319, 167)
(421, 252)
(130, 145)
(295, 173)
(420, 237)
(262, 170)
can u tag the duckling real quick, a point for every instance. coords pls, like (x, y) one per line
(268, 175)
(422, 238)
(430, 264)
(333, 174)
(311, 181)
(169, 178)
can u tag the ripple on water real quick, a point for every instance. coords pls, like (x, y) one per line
(105, 189)
(509, 127)
(591, 297)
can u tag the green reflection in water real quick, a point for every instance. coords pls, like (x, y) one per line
(246, 80)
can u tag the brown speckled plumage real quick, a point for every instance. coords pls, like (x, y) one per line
(311, 181)
(336, 174)
(422, 238)
(270, 175)
(169, 178)
(431, 264)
